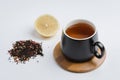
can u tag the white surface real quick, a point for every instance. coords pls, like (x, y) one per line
(17, 23)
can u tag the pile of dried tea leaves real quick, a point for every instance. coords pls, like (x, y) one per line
(24, 50)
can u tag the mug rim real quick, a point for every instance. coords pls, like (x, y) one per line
(80, 21)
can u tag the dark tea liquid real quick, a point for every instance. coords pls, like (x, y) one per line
(80, 30)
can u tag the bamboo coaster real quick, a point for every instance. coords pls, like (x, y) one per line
(76, 67)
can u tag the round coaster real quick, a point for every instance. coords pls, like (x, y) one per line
(76, 67)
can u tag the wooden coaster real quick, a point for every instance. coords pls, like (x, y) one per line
(76, 67)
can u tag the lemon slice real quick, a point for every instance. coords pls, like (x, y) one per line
(46, 25)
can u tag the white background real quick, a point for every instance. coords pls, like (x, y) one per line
(17, 19)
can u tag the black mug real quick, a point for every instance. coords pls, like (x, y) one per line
(79, 42)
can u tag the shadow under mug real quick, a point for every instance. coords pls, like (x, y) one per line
(83, 49)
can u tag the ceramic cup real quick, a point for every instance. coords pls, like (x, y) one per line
(81, 49)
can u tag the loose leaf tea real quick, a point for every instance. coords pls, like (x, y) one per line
(24, 50)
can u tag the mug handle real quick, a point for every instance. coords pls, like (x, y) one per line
(101, 47)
